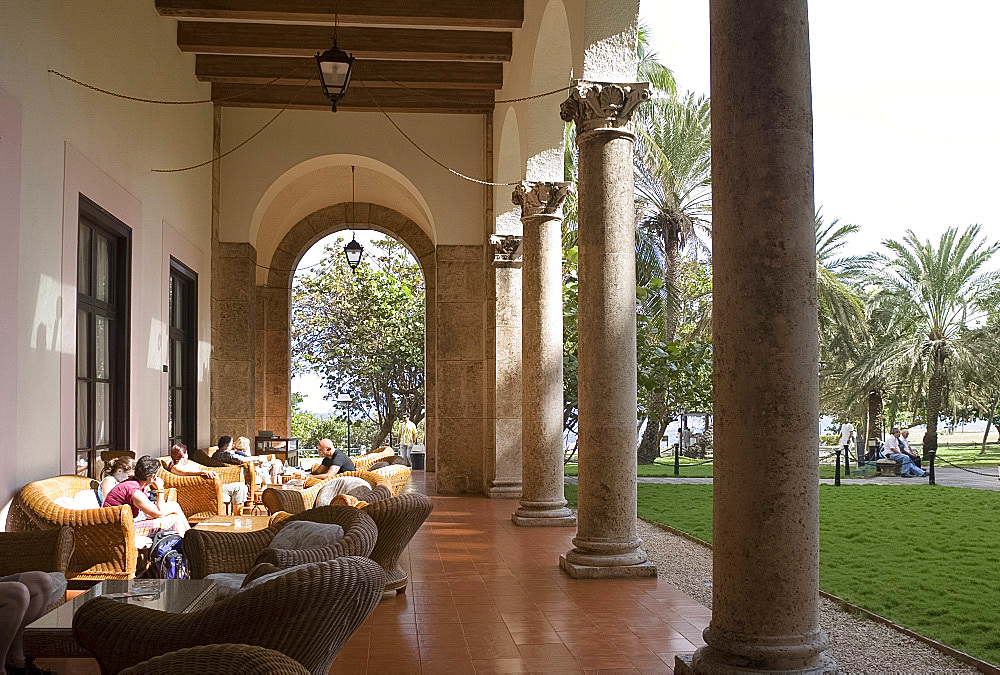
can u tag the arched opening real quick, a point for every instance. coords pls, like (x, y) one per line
(273, 352)
(552, 67)
(357, 342)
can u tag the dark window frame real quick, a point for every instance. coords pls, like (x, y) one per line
(189, 341)
(118, 308)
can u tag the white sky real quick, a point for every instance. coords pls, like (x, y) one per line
(906, 100)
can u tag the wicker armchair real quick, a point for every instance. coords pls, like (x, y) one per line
(397, 475)
(41, 550)
(199, 497)
(364, 462)
(104, 537)
(307, 614)
(297, 501)
(237, 552)
(228, 659)
(398, 519)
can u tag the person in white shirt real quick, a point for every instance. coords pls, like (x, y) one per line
(846, 436)
(904, 446)
(894, 452)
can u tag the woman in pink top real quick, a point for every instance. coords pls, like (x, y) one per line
(149, 516)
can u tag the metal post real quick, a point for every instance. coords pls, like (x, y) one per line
(930, 456)
(348, 430)
(677, 451)
(847, 460)
(836, 475)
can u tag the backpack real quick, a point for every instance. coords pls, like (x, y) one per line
(166, 557)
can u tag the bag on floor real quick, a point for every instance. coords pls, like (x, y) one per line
(166, 556)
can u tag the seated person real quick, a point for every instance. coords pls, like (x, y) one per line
(149, 516)
(238, 452)
(119, 470)
(904, 445)
(232, 493)
(893, 451)
(333, 462)
(24, 597)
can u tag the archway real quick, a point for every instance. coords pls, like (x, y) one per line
(273, 352)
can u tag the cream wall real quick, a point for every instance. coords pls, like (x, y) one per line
(73, 138)
(455, 205)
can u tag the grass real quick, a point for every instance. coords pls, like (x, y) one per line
(943, 557)
(663, 467)
(968, 455)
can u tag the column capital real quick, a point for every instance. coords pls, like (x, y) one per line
(506, 250)
(602, 105)
(540, 198)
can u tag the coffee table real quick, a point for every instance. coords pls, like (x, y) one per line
(227, 523)
(52, 634)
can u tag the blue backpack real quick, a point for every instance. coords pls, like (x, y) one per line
(166, 557)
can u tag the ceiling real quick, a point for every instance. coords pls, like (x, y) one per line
(437, 49)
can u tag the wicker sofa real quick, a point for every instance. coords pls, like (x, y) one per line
(237, 552)
(297, 501)
(364, 462)
(201, 498)
(104, 537)
(307, 614)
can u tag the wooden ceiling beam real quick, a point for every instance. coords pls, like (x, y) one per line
(356, 99)
(447, 13)
(418, 74)
(366, 43)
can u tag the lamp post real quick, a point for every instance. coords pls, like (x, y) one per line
(345, 400)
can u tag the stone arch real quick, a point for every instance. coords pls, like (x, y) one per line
(273, 348)
(552, 67)
(510, 166)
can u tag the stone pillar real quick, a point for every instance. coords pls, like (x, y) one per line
(505, 480)
(234, 311)
(542, 502)
(766, 578)
(607, 542)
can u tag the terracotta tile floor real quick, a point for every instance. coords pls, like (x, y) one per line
(486, 596)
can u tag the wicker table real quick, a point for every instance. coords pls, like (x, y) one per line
(52, 635)
(227, 523)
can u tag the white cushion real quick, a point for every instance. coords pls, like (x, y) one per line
(303, 535)
(340, 486)
(89, 499)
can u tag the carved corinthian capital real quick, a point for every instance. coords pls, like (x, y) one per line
(506, 250)
(540, 198)
(602, 105)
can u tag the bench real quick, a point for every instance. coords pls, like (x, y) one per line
(887, 467)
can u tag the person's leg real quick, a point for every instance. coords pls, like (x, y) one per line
(14, 602)
(175, 518)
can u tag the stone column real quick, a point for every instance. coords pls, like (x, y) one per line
(505, 481)
(607, 542)
(766, 576)
(542, 502)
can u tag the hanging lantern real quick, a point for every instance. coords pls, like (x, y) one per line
(353, 251)
(335, 66)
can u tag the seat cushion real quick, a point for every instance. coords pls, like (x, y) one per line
(82, 500)
(340, 486)
(303, 534)
(274, 575)
(227, 583)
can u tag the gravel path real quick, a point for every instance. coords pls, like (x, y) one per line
(853, 640)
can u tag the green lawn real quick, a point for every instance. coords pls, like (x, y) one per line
(968, 455)
(947, 561)
(664, 467)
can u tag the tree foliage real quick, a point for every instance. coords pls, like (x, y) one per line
(363, 332)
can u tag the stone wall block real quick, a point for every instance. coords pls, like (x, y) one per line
(460, 388)
(460, 456)
(460, 334)
(459, 281)
(277, 352)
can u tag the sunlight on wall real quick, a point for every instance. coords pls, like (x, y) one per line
(48, 309)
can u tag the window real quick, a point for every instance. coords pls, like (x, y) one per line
(182, 396)
(102, 335)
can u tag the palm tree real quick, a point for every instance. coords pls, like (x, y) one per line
(650, 69)
(840, 307)
(936, 291)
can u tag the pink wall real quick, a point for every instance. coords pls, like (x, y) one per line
(10, 225)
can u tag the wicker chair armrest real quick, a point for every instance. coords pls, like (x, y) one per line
(42, 550)
(212, 552)
(289, 501)
(228, 659)
(195, 494)
(313, 481)
(397, 476)
(339, 595)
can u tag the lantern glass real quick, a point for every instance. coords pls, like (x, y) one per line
(353, 251)
(335, 67)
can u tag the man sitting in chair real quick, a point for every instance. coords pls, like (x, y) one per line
(334, 461)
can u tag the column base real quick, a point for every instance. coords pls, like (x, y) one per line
(505, 490)
(577, 571)
(699, 662)
(550, 519)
